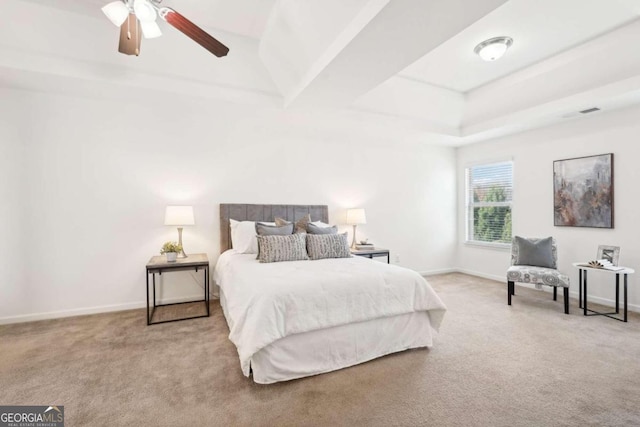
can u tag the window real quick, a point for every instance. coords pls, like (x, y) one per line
(489, 196)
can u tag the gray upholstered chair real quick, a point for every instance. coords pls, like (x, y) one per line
(547, 275)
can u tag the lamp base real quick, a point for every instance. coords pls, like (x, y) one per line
(353, 242)
(181, 254)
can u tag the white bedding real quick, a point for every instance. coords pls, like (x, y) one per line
(268, 302)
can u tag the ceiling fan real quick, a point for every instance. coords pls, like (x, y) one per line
(139, 16)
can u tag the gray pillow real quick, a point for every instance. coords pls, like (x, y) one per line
(291, 247)
(320, 246)
(314, 229)
(272, 230)
(535, 252)
(301, 224)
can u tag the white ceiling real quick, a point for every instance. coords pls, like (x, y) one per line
(539, 28)
(244, 17)
(408, 64)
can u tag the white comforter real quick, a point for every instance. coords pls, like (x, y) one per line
(267, 302)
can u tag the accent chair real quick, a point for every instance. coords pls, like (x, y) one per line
(534, 260)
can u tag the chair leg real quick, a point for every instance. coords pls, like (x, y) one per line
(566, 300)
(510, 287)
(555, 293)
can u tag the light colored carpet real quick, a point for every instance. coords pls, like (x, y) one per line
(492, 365)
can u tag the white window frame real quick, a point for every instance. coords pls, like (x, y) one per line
(469, 205)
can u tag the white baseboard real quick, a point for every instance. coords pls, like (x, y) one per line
(607, 302)
(92, 310)
(479, 274)
(70, 313)
(434, 272)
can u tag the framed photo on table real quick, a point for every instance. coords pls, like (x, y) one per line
(610, 253)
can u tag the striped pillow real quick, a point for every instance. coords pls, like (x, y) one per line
(264, 229)
(282, 248)
(320, 246)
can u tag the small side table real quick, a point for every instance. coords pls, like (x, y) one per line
(159, 264)
(582, 282)
(370, 253)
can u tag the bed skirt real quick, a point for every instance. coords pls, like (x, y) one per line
(325, 350)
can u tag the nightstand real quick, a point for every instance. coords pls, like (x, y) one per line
(159, 265)
(370, 253)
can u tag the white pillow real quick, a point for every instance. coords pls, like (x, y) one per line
(243, 236)
(320, 224)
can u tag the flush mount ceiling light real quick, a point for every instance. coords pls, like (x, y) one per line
(494, 48)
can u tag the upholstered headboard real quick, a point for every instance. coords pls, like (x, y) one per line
(246, 212)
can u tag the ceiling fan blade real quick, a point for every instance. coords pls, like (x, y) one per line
(192, 31)
(130, 36)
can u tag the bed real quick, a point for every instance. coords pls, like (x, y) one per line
(299, 318)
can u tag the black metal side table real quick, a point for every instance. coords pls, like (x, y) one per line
(370, 253)
(159, 265)
(582, 291)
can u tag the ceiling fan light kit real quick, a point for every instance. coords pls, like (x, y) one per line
(150, 29)
(144, 11)
(494, 48)
(139, 16)
(117, 12)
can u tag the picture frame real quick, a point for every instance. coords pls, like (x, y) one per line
(610, 253)
(583, 192)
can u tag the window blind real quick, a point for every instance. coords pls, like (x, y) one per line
(489, 198)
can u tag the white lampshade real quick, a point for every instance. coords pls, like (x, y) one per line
(356, 216)
(150, 29)
(179, 215)
(117, 12)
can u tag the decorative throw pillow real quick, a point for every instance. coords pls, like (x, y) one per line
(282, 248)
(314, 229)
(281, 221)
(534, 252)
(320, 246)
(264, 229)
(301, 224)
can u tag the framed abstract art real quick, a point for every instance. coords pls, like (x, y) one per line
(583, 192)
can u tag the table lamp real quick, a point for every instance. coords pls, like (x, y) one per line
(355, 217)
(179, 215)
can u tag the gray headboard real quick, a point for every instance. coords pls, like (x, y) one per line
(246, 212)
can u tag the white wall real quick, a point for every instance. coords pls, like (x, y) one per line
(533, 154)
(13, 253)
(84, 183)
